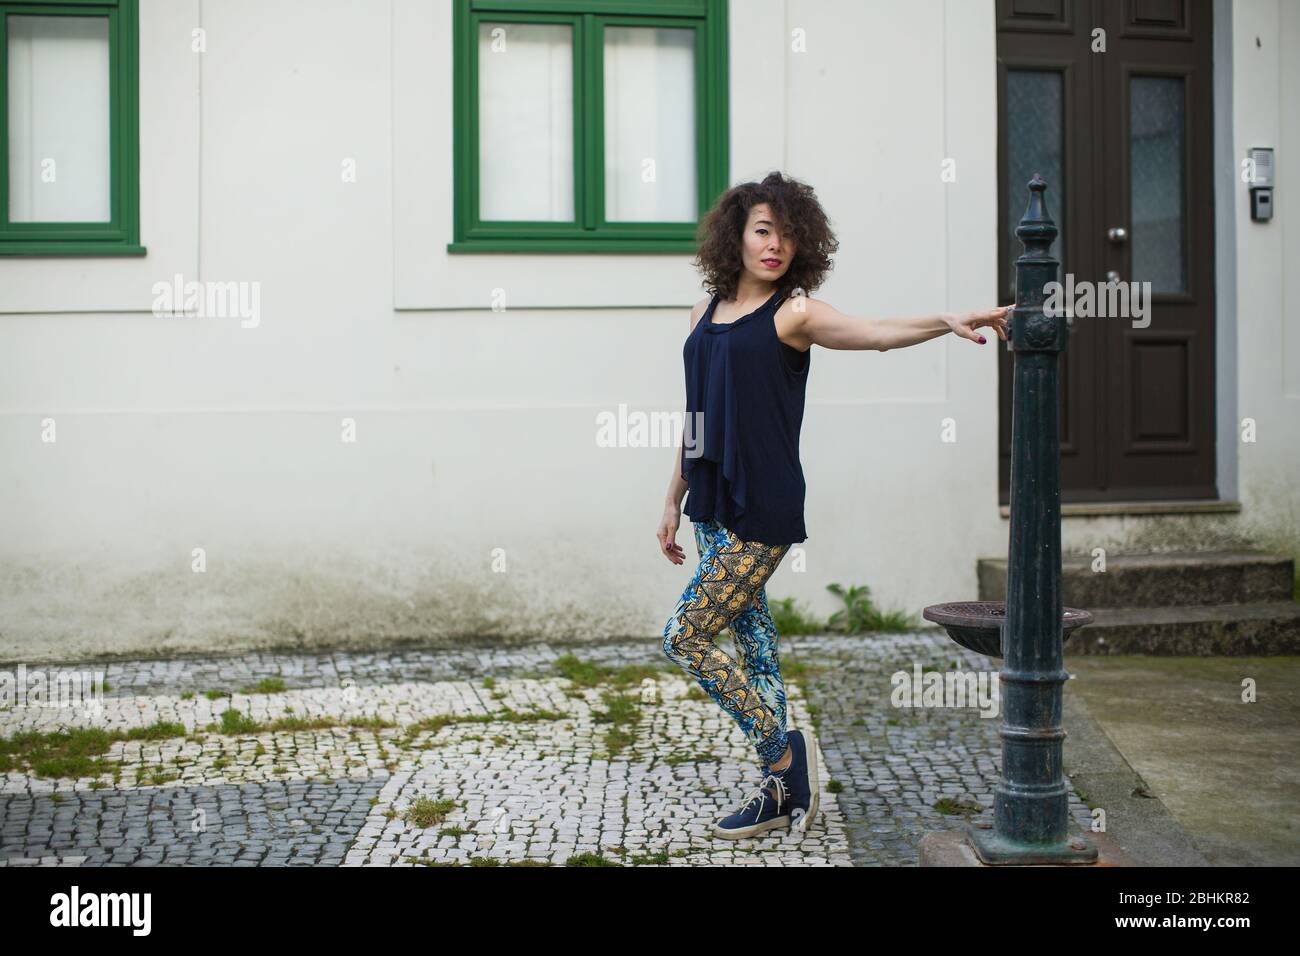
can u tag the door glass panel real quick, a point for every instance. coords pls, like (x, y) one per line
(650, 147)
(1035, 122)
(58, 119)
(525, 122)
(1156, 181)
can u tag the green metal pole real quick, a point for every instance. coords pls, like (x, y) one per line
(1031, 801)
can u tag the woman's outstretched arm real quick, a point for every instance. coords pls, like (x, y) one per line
(820, 323)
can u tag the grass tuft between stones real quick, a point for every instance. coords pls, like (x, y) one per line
(80, 752)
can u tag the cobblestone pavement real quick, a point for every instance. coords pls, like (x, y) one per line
(480, 757)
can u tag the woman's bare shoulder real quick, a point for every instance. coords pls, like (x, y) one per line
(698, 311)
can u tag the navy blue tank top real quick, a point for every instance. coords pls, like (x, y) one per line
(744, 409)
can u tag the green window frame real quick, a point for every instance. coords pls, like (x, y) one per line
(588, 231)
(120, 235)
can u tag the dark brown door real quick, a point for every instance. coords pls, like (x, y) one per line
(1123, 137)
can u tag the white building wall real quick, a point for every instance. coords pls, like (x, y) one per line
(1266, 55)
(476, 428)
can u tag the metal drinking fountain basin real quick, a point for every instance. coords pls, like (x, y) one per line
(977, 625)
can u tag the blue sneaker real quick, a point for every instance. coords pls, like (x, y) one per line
(801, 781)
(764, 809)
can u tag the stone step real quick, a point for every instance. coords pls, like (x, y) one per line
(1171, 579)
(1264, 628)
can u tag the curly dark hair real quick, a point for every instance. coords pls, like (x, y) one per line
(800, 216)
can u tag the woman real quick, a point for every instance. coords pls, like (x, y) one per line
(747, 358)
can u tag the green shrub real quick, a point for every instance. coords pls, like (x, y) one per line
(859, 615)
(791, 619)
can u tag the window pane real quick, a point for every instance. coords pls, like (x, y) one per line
(1156, 181)
(650, 148)
(525, 121)
(1035, 111)
(58, 119)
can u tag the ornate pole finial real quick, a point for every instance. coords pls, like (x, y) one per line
(1036, 229)
(1031, 328)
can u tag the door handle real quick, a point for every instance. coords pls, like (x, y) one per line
(1117, 234)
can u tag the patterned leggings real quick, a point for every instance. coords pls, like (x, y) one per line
(728, 588)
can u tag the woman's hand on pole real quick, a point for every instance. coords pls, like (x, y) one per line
(965, 323)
